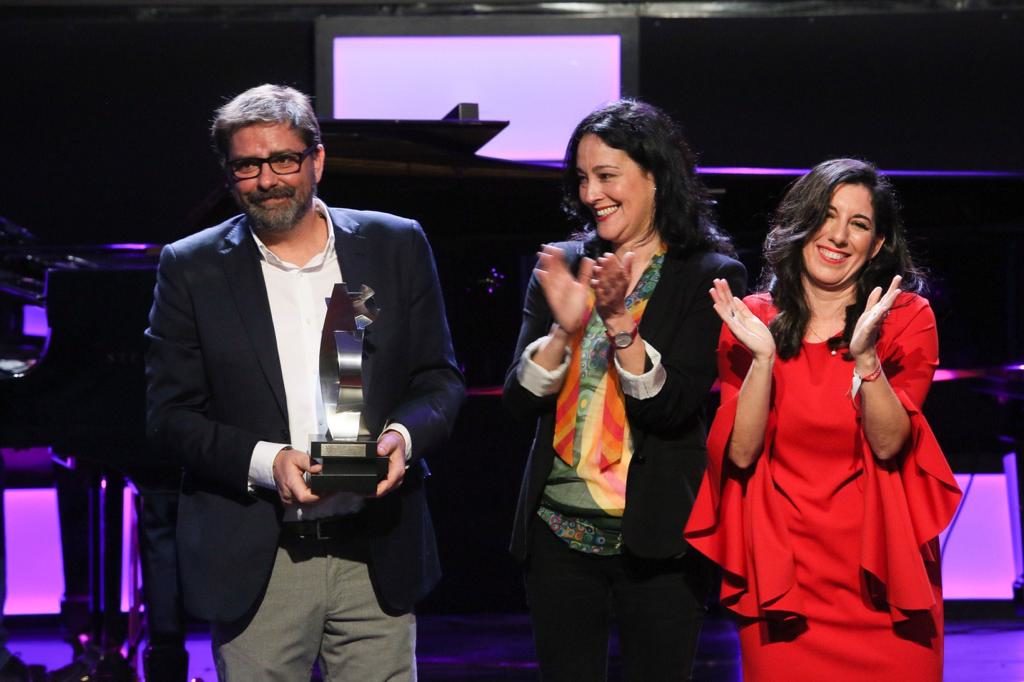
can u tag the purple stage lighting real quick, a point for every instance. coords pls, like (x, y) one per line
(35, 573)
(899, 172)
(542, 85)
(33, 321)
(978, 559)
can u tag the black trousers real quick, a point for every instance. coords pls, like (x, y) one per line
(158, 550)
(658, 606)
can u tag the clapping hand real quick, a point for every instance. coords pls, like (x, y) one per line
(610, 281)
(566, 295)
(865, 333)
(744, 325)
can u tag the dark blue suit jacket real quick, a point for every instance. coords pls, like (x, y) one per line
(215, 388)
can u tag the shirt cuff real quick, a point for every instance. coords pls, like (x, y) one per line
(537, 380)
(648, 384)
(404, 433)
(261, 465)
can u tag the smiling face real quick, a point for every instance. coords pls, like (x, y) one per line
(275, 203)
(845, 242)
(619, 193)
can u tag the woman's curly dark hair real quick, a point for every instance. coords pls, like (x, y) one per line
(797, 219)
(682, 209)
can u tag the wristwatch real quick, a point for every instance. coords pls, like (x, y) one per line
(622, 340)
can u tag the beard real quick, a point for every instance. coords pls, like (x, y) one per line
(281, 218)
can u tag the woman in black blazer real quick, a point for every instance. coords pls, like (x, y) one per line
(615, 358)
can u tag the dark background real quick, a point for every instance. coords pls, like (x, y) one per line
(105, 109)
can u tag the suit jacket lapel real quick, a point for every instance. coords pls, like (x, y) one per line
(351, 248)
(242, 268)
(662, 308)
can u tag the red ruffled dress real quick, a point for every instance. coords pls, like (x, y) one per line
(829, 555)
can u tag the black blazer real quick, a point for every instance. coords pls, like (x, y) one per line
(669, 429)
(215, 389)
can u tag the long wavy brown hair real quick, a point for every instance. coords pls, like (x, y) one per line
(798, 218)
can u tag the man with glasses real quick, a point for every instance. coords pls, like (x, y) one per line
(286, 577)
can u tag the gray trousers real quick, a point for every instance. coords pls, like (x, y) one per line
(317, 605)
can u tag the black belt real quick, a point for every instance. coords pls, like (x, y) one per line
(330, 528)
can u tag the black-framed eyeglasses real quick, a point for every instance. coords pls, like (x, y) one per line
(286, 163)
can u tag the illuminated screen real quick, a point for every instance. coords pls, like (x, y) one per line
(525, 72)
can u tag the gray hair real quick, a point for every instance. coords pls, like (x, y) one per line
(265, 104)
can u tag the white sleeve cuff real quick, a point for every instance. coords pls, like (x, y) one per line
(537, 380)
(261, 465)
(404, 433)
(648, 384)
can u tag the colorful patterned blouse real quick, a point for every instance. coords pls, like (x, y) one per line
(583, 502)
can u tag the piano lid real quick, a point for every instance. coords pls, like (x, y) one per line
(442, 148)
(24, 268)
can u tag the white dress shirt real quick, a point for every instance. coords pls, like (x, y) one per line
(542, 382)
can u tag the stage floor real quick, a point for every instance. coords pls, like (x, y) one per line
(485, 648)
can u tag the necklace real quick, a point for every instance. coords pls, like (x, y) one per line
(819, 338)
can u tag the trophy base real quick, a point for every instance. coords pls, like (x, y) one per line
(350, 466)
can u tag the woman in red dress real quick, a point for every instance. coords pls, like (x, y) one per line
(825, 489)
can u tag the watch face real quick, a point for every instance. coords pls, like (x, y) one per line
(623, 339)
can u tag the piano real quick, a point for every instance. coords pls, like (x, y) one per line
(72, 380)
(71, 355)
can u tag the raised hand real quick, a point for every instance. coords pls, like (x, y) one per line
(610, 280)
(865, 333)
(566, 295)
(744, 325)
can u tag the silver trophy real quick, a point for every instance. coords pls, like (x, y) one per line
(347, 450)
